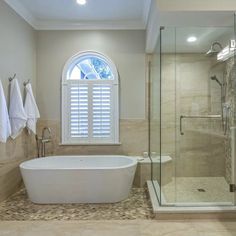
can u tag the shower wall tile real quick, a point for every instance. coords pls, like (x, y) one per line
(187, 90)
(230, 99)
(10, 179)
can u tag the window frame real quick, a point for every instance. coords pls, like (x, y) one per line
(66, 139)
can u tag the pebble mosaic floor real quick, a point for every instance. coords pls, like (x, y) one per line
(19, 208)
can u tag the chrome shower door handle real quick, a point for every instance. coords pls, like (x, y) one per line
(181, 125)
(194, 117)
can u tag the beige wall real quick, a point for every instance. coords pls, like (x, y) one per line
(17, 55)
(17, 48)
(127, 50)
(199, 5)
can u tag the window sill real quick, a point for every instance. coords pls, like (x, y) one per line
(90, 144)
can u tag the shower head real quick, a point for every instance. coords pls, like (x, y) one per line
(215, 48)
(217, 81)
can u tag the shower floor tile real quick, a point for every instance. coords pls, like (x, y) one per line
(197, 190)
(19, 208)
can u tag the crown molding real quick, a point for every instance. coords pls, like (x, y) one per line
(90, 25)
(22, 11)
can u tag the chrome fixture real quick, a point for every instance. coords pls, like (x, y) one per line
(227, 112)
(13, 77)
(222, 100)
(49, 132)
(214, 78)
(38, 145)
(216, 47)
(198, 117)
(41, 141)
(232, 186)
(217, 81)
(45, 139)
(26, 82)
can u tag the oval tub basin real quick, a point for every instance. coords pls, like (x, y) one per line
(78, 179)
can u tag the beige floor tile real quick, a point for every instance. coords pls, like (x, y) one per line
(219, 233)
(215, 228)
(215, 225)
(156, 228)
(62, 228)
(117, 228)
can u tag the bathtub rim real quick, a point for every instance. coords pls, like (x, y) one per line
(133, 163)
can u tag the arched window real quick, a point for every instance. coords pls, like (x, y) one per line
(90, 103)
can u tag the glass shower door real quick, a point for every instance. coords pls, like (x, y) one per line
(192, 142)
(154, 117)
(233, 119)
(162, 116)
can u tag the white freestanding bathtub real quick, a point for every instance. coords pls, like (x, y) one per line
(78, 179)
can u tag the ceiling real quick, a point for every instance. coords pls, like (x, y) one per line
(96, 14)
(174, 40)
(131, 14)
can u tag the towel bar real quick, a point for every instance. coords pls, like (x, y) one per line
(198, 117)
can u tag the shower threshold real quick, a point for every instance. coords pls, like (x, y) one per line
(187, 208)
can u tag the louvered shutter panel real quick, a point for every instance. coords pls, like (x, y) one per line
(79, 111)
(102, 111)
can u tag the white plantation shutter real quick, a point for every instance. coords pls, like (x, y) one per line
(102, 111)
(90, 105)
(92, 112)
(78, 117)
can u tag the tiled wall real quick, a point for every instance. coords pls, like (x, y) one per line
(133, 138)
(229, 88)
(186, 90)
(11, 155)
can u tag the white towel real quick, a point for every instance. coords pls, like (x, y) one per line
(17, 114)
(5, 127)
(31, 109)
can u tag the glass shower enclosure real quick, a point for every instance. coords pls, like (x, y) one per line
(192, 116)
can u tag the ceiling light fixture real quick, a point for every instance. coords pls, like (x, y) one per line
(81, 2)
(228, 52)
(192, 39)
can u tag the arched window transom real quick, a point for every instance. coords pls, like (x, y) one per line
(91, 67)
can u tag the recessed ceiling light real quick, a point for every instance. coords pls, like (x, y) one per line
(192, 39)
(81, 2)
